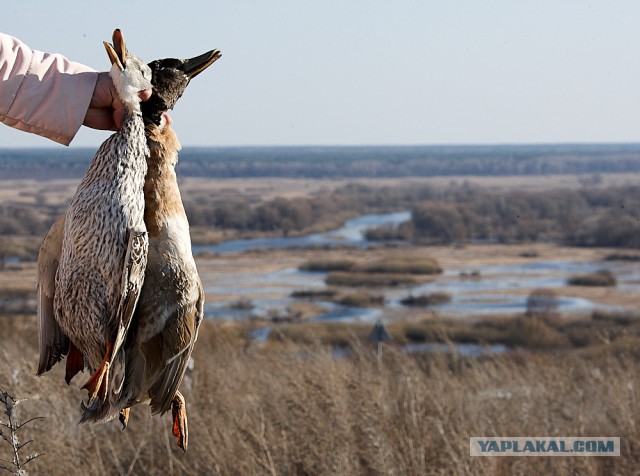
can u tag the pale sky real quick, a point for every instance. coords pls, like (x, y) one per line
(358, 72)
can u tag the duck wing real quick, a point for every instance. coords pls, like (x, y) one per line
(106, 384)
(171, 349)
(54, 344)
(133, 277)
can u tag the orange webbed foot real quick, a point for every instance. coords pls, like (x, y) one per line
(98, 383)
(179, 413)
(124, 417)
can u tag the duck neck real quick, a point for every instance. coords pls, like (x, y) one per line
(161, 194)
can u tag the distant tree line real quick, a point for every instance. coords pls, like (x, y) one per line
(279, 216)
(585, 217)
(349, 162)
(19, 219)
(456, 213)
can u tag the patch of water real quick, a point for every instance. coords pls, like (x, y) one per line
(350, 314)
(486, 295)
(490, 304)
(494, 291)
(260, 334)
(484, 299)
(352, 233)
(269, 308)
(467, 350)
(255, 308)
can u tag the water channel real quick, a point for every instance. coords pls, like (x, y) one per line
(351, 233)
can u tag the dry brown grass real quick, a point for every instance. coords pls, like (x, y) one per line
(292, 409)
(602, 277)
(61, 190)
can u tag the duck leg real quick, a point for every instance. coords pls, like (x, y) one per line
(179, 413)
(75, 363)
(124, 417)
(97, 384)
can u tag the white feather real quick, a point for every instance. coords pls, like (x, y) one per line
(135, 77)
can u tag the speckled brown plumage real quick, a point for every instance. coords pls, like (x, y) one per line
(103, 250)
(107, 208)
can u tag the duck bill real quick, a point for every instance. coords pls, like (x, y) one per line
(195, 66)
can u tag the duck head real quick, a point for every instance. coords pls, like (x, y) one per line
(129, 73)
(170, 77)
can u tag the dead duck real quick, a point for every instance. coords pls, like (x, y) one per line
(103, 249)
(171, 305)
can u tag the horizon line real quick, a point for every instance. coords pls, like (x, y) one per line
(335, 146)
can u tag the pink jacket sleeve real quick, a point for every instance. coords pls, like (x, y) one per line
(42, 93)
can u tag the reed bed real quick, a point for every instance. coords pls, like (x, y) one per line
(289, 408)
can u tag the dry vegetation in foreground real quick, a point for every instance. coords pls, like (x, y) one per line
(291, 409)
(548, 330)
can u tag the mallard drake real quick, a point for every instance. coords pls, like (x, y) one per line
(170, 309)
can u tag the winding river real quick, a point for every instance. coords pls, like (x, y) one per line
(351, 233)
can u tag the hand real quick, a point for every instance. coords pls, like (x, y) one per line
(106, 112)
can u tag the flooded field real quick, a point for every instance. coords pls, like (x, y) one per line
(257, 279)
(249, 279)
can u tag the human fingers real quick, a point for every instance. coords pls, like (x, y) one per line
(145, 94)
(100, 118)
